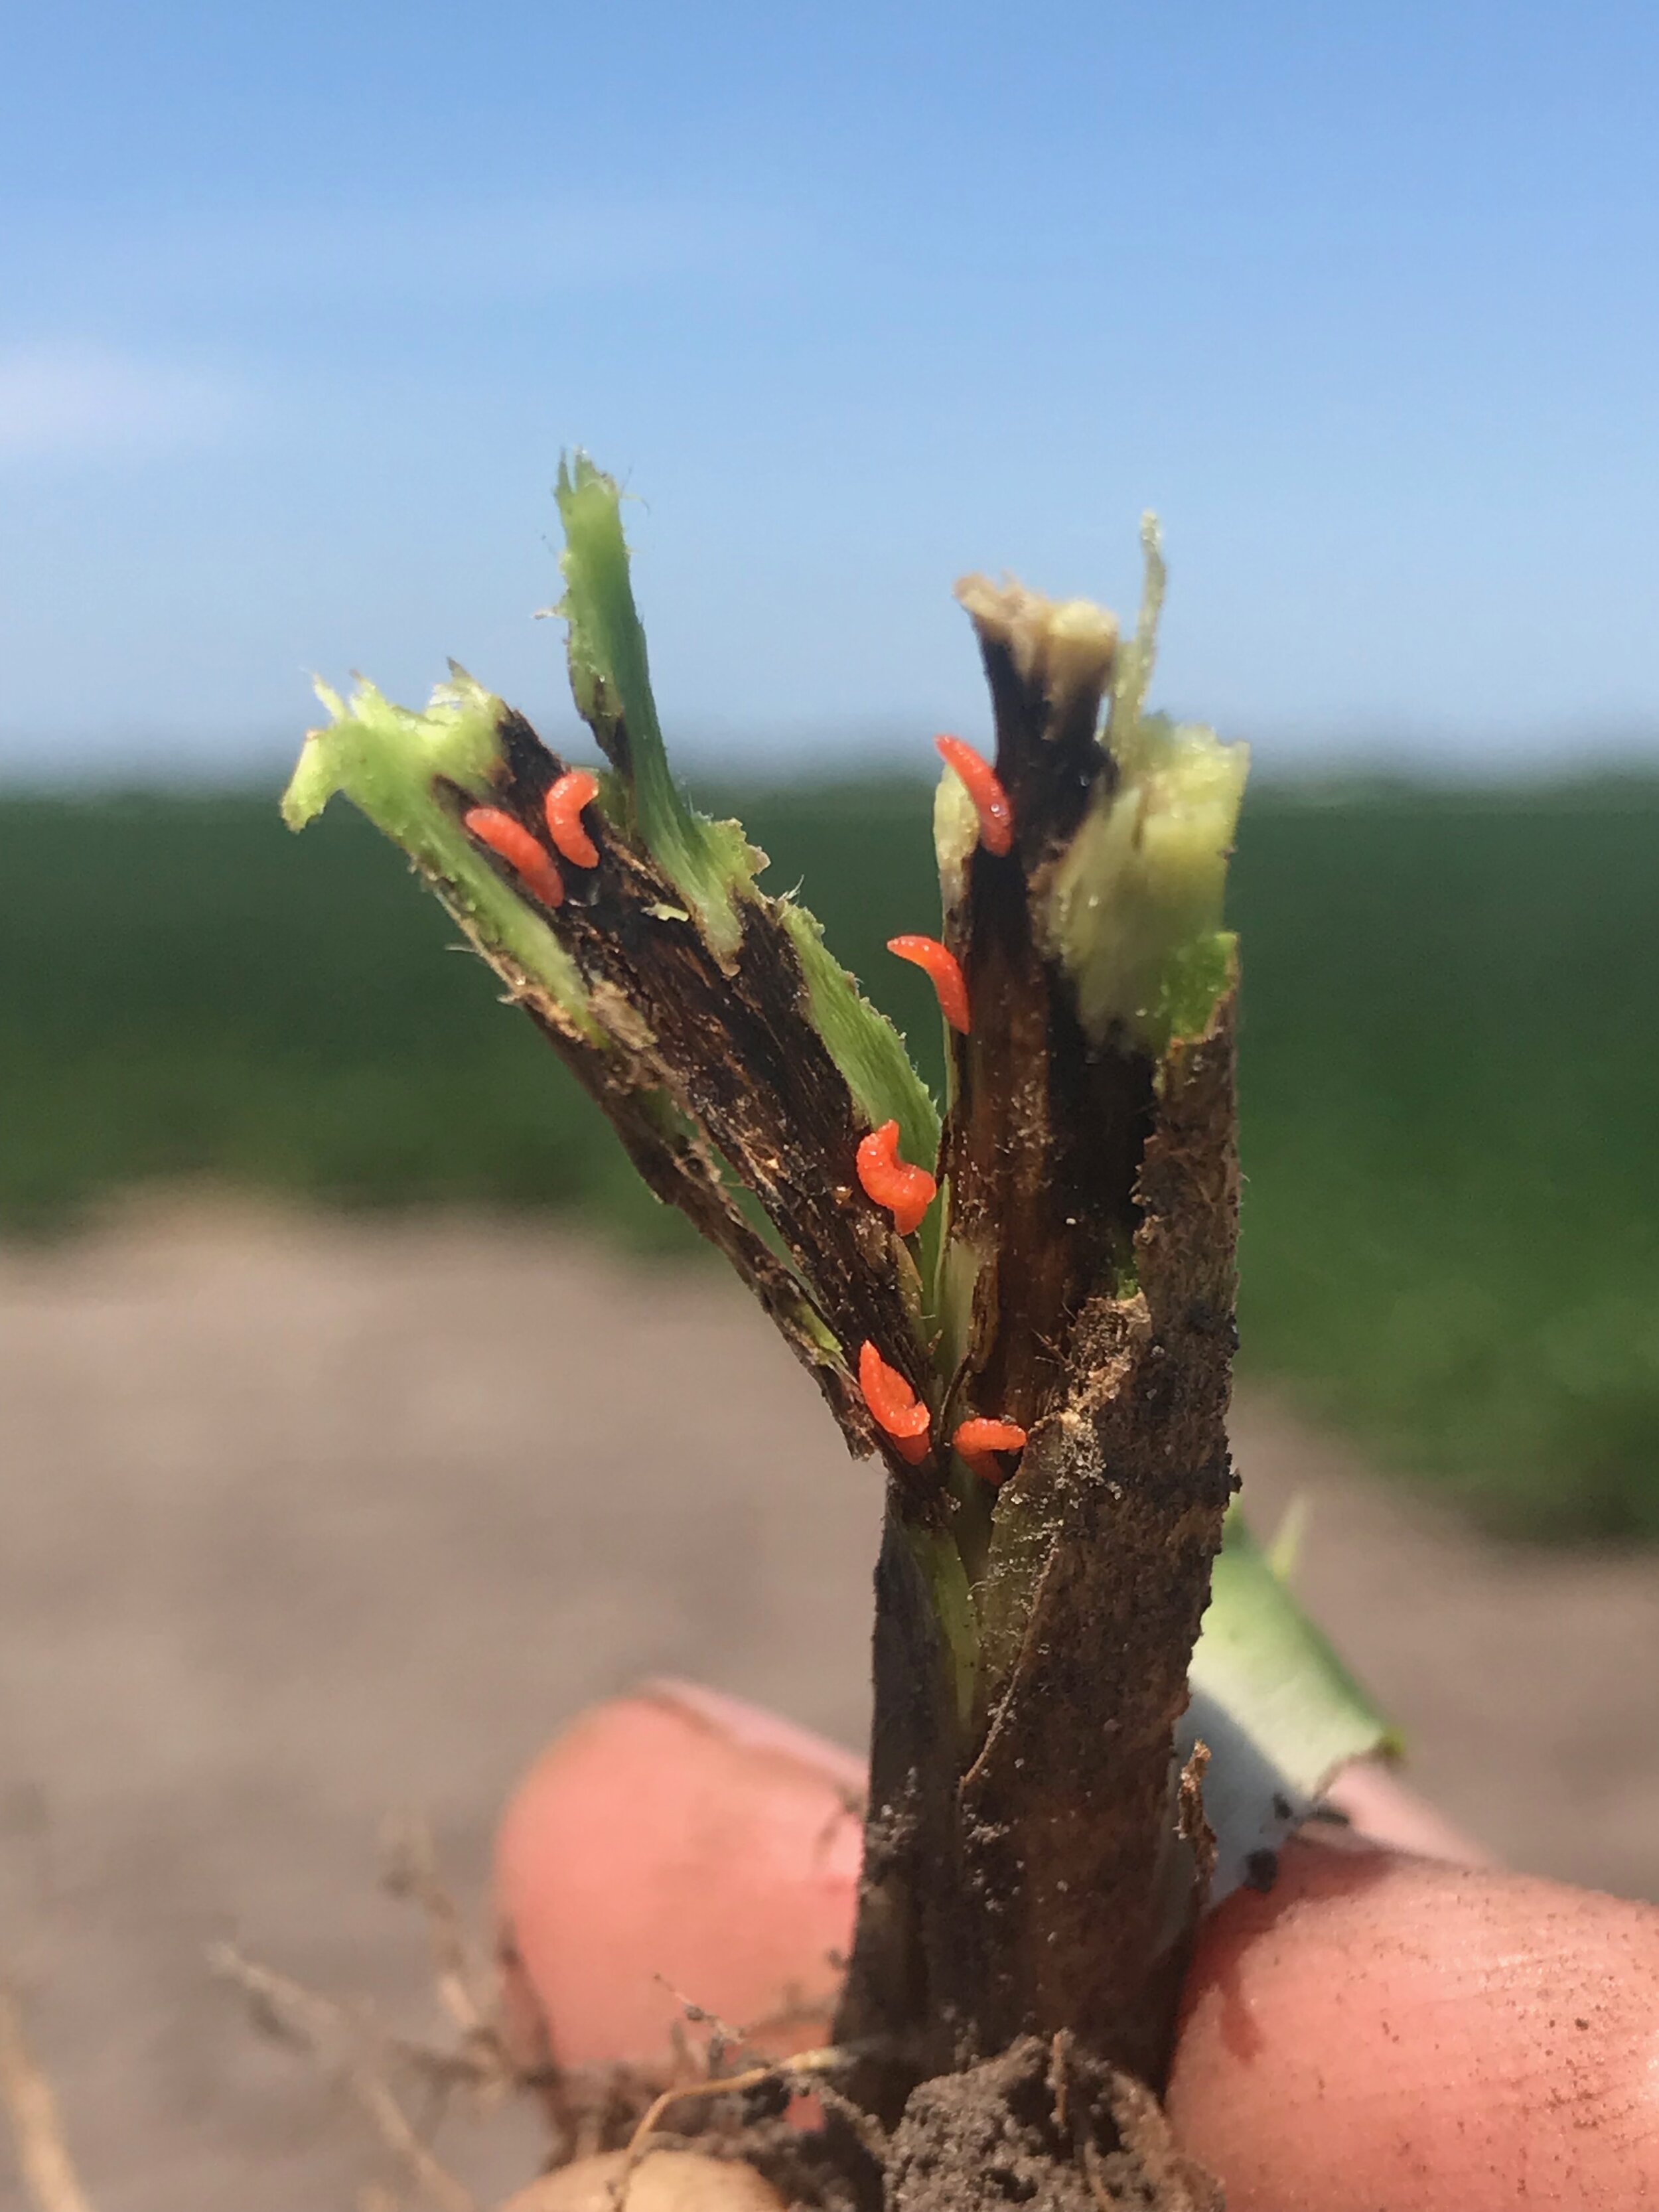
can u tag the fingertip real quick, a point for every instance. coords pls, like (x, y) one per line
(675, 1842)
(1387, 2030)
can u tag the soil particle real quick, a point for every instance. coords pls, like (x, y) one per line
(1261, 1869)
(1044, 2127)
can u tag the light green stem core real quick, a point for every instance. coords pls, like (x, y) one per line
(1134, 907)
(390, 761)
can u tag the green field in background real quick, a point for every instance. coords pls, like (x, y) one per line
(1450, 1070)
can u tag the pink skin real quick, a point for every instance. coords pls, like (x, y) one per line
(678, 1841)
(1384, 2032)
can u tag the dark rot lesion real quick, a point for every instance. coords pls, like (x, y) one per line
(1093, 1192)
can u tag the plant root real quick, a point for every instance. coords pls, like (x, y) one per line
(43, 2154)
(346, 2046)
(611, 2116)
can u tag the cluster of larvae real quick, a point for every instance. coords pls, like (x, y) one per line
(900, 1186)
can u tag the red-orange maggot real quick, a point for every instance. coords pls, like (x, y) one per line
(511, 842)
(942, 968)
(978, 1440)
(907, 1192)
(990, 801)
(894, 1405)
(566, 798)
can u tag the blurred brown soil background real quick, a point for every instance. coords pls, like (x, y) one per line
(305, 1523)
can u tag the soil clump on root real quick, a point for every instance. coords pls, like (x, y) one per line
(1042, 2126)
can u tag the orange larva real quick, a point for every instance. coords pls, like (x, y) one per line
(943, 969)
(990, 801)
(511, 841)
(978, 1440)
(566, 798)
(894, 1405)
(907, 1192)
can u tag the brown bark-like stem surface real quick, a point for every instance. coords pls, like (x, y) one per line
(1032, 1869)
(708, 1066)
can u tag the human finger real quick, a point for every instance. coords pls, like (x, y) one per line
(1383, 2030)
(680, 1837)
(677, 1844)
(1378, 2031)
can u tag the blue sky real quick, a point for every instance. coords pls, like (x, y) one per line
(299, 305)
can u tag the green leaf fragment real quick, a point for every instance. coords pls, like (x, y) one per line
(1284, 1554)
(863, 1044)
(711, 863)
(388, 760)
(1132, 677)
(1278, 1711)
(1260, 1657)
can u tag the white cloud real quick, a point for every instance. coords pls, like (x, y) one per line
(67, 402)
